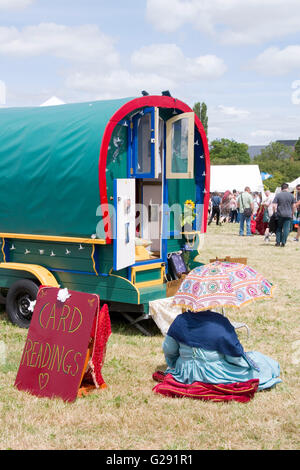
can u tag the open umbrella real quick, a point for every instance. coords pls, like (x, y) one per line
(221, 284)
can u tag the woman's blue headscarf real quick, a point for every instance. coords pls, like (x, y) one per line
(208, 330)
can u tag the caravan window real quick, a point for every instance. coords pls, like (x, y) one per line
(143, 157)
(143, 144)
(180, 146)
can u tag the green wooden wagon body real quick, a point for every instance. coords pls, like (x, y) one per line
(62, 168)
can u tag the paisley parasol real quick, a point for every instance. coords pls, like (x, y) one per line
(222, 284)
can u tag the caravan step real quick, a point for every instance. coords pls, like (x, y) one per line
(147, 275)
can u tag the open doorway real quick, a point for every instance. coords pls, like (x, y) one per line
(149, 191)
(149, 195)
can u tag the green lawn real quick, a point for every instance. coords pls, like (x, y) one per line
(128, 415)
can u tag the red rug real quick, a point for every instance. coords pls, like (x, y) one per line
(239, 391)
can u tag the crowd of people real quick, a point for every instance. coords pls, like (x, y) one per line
(261, 213)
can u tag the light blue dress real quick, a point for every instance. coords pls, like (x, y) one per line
(188, 365)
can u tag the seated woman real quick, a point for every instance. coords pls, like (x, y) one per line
(204, 347)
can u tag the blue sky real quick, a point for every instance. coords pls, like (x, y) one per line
(242, 57)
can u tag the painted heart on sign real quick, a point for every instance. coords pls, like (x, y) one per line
(43, 380)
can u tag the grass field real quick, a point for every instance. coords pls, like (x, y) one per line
(128, 415)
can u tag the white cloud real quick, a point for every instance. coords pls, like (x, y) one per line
(14, 4)
(275, 61)
(231, 111)
(85, 44)
(2, 93)
(92, 63)
(269, 135)
(258, 126)
(154, 68)
(230, 21)
(295, 97)
(118, 82)
(229, 122)
(169, 61)
(170, 15)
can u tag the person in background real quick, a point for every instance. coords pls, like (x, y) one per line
(209, 206)
(238, 217)
(233, 207)
(225, 206)
(215, 208)
(267, 214)
(245, 204)
(296, 239)
(284, 204)
(256, 203)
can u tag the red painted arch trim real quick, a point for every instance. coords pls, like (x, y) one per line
(158, 101)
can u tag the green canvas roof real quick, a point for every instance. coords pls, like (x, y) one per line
(49, 160)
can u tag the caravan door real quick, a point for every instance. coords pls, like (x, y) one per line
(180, 146)
(124, 225)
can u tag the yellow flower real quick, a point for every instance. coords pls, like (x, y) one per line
(190, 203)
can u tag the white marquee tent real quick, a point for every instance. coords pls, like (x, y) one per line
(53, 101)
(294, 183)
(229, 177)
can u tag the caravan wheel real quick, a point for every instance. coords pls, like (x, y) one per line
(18, 301)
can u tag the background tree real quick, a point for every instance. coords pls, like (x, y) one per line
(274, 151)
(274, 182)
(228, 152)
(297, 150)
(282, 171)
(200, 109)
(279, 160)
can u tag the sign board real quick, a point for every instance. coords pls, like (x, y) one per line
(56, 348)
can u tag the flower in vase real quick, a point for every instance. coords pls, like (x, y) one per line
(188, 215)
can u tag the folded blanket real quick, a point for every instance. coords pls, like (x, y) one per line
(100, 333)
(239, 391)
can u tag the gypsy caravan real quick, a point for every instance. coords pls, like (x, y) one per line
(89, 199)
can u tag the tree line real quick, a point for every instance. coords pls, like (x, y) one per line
(276, 159)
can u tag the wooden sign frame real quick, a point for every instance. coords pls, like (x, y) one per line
(59, 346)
